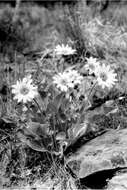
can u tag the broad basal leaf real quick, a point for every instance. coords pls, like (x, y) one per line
(31, 142)
(36, 136)
(79, 130)
(56, 103)
(38, 129)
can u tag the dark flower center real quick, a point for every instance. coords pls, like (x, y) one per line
(64, 82)
(103, 76)
(91, 66)
(24, 90)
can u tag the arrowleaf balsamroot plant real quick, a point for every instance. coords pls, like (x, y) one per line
(61, 111)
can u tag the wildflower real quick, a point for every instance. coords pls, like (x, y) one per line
(74, 77)
(24, 90)
(61, 81)
(105, 76)
(64, 50)
(92, 65)
(67, 79)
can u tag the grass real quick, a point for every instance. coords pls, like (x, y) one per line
(28, 34)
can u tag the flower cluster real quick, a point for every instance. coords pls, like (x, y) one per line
(68, 79)
(64, 50)
(24, 90)
(106, 77)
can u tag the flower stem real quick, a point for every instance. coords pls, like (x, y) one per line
(92, 89)
(84, 108)
(38, 107)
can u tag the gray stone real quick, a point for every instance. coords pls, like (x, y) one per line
(104, 152)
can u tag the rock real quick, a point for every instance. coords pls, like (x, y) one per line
(119, 182)
(100, 179)
(107, 151)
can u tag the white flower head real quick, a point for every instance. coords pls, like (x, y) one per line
(68, 79)
(92, 65)
(64, 50)
(105, 76)
(61, 81)
(74, 77)
(24, 90)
